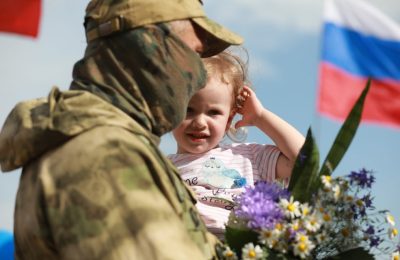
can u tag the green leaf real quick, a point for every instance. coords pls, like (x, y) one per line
(305, 170)
(358, 253)
(237, 238)
(345, 135)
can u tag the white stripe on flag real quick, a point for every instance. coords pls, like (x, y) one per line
(360, 16)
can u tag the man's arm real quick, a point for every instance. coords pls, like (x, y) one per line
(118, 202)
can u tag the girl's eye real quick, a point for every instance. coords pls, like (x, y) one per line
(189, 110)
(214, 112)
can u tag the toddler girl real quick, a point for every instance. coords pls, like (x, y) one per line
(218, 172)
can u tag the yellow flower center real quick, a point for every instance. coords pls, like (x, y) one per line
(278, 226)
(345, 232)
(396, 257)
(327, 217)
(252, 254)
(302, 247)
(360, 203)
(229, 254)
(395, 232)
(296, 227)
(267, 234)
(328, 178)
(291, 207)
(349, 198)
(390, 218)
(305, 211)
(303, 239)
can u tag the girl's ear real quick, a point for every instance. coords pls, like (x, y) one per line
(231, 116)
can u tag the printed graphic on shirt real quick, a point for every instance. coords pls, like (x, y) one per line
(216, 175)
(219, 198)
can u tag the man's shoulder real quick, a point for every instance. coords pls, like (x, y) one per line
(97, 139)
(94, 149)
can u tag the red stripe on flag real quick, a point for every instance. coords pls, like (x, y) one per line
(338, 91)
(20, 16)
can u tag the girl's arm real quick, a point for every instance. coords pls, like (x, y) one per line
(286, 137)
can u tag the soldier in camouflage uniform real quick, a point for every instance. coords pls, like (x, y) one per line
(94, 185)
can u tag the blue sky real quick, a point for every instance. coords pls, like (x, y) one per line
(282, 38)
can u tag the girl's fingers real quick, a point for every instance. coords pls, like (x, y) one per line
(242, 97)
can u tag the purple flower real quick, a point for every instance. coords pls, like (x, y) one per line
(258, 205)
(374, 241)
(370, 230)
(367, 200)
(363, 178)
(363, 212)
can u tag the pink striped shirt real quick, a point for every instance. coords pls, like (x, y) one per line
(221, 174)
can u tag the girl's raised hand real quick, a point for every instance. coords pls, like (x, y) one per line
(249, 107)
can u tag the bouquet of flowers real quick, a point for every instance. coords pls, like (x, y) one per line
(317, 216)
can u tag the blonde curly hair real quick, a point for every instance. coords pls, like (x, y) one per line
(233, 71)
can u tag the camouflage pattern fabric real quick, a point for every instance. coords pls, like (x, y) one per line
(107, 17)
(148, 73)
(94, 184)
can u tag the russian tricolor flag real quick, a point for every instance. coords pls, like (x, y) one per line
(359, 42)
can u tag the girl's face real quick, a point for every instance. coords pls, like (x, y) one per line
(208, 118)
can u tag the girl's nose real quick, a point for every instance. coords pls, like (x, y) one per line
(199, 122)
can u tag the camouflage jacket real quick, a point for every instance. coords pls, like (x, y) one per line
(95, 186)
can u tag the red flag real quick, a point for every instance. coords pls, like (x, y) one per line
(339, 91)
(20, 16)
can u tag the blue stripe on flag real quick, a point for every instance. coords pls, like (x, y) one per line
(360, 54)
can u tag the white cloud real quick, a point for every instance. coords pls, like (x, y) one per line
(262, 67)
(300, 15)
(389, 7)
(269, 26)
(303, 15)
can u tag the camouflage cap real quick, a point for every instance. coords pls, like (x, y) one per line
(105, 17)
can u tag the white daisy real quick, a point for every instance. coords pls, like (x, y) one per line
(290, 207)
(295, 225)
(390, 219)
(269, 237)
(396, 255)
(305, 209)
(303, 246)
(250, 252)
(322, 236)
(229, 254)
(326, 218)
(301, 237)
(393, 232)
(336, 192)
(312, 223)
(327, 181)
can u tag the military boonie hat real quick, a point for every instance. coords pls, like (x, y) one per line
(106, 17)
